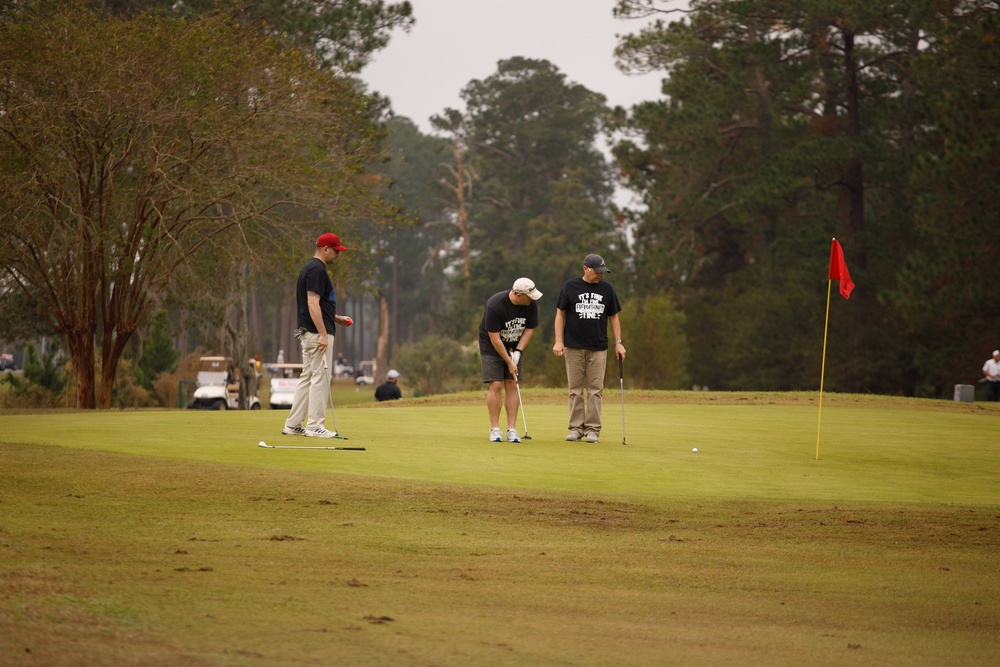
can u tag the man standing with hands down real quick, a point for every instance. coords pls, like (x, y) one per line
(509, 320)
(991, 373)
(316, 307)
(583, 310)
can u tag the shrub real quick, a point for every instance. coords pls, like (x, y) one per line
(657, 349)
(158, 352)
(41, 383)
(437, 365)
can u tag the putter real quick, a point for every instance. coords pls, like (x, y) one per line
(333, 412)
(524, 420)
(621, 383)
(267, 446)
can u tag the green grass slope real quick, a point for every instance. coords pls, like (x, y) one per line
(746, 449)
(171, 538)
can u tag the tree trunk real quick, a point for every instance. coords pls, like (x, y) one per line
(254, 320)
(854, 177)
(111, 355)
(81, 352)
(382, 351)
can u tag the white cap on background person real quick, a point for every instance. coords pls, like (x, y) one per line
(392, 374)
(527, 287)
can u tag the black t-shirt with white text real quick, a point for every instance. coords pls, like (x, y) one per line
(588, 307)
(503, 317)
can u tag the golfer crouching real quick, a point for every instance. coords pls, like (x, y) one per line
(509, 320)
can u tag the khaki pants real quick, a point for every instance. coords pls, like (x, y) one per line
(585, 371)
(312, 393)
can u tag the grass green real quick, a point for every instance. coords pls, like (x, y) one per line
(169, 537)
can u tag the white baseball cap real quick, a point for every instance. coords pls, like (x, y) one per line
(526, 286)
(392, 375)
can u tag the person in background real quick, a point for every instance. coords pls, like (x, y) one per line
(509, 320)
(991, 371)
(389, 390)
(281, 356)
(584, 309)
(316, 307)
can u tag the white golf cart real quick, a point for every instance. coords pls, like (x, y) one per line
(284, 379)
(366, 373)
(218, 388)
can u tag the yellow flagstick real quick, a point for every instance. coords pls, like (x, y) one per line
(822, 372)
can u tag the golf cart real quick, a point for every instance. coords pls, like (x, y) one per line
(284, 379)
(342, 369)
(218, 388)
(366, 373)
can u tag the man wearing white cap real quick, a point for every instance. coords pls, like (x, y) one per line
(584, 309)
(991, 370)
(509, 320)
(389, 390)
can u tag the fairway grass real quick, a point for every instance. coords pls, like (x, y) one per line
(170, 538)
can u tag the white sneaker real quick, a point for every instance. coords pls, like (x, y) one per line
(321, 433)
(496, 435)
(573, 436)
(512, 435)
(591, 437)
(293, 430)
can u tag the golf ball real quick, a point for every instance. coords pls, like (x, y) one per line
(695, 450)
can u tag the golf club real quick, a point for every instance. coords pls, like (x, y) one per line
(329, 386)
(524, 420)
(267, 446)
(621, 382)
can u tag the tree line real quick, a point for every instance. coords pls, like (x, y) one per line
(781, 125)
(784, 124)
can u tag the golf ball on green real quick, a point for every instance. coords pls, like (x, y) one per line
(695, 450)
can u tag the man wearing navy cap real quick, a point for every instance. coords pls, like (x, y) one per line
(584, 308)
(316, 308)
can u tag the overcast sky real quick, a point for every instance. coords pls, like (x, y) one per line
(455, 41)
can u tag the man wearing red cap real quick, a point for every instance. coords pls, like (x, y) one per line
(316, 310)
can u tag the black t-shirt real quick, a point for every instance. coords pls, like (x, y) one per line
(388, 391)
(500, 315)
(588, 307)
(314, 278)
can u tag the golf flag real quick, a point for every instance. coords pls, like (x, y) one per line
(838, 269)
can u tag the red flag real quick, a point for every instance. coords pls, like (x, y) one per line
(838, 269)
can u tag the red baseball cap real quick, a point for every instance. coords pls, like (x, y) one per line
(329, 240)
